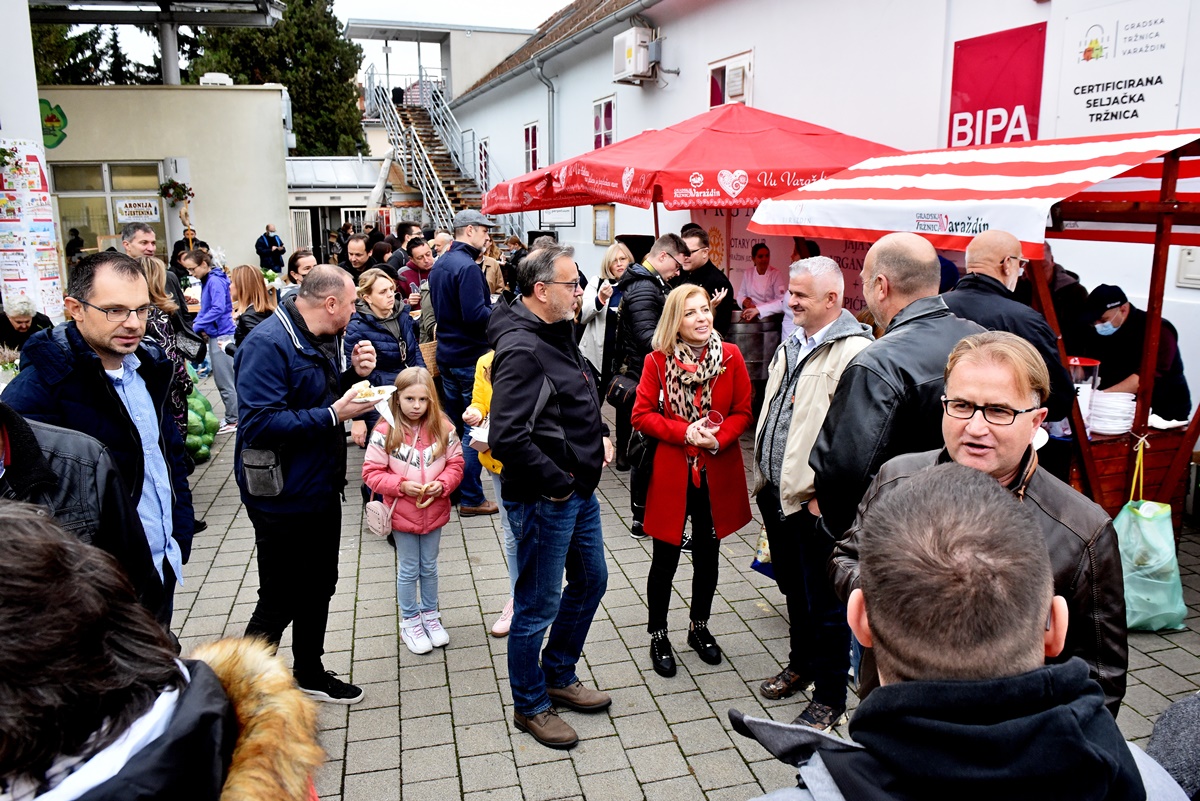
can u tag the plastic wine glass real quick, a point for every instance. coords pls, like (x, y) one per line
(713, 421)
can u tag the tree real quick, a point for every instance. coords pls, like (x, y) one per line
(306, 53)
(64, 58)
(120, 70)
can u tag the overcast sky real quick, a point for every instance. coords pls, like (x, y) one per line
(403, 59)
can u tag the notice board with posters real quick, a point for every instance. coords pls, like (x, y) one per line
(1122, 68)
(996, 89)
(29, 263)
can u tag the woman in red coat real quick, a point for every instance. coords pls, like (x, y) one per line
(692, 373)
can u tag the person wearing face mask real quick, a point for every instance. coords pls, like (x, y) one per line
(1117, 338)
(985, 296)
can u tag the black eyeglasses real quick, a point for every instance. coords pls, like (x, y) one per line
(573, 284)
(120, 315)
(996, 415)
(677, 261)
(1020, 259)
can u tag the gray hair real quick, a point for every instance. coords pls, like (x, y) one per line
(544, 241)
(133, 229)
(20, 307)
(818, 266)
(538, 266)
(323, 281)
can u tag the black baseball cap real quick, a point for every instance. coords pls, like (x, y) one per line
(1103, 298)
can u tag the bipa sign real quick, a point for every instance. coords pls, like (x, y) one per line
(988, 126)
(984, 110)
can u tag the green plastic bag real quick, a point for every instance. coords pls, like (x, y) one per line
(1146, 538)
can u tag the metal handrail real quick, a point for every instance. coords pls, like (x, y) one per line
(462, 152)
(411, 155)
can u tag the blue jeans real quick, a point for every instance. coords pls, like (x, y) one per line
(416, 557)
(458, 383)
(553, 538)
(510, 542)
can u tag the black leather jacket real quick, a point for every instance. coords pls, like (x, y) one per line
(887, 402)
(985, 300)
(643, 295)
(1083, 556)
(73, 477)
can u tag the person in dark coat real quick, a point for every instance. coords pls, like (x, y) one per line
(386, 324)
(888, 400)
(270, 250)
(19, 321)
(181, 246)
(74, 477)
(643, 294)
(985, 296)
(1068, 296)
(98, 375)
(1117, 339)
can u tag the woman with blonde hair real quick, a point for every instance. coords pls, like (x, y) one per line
(162, 324)
(252, 301)
(387, 325)
(694, 400)
(598, 316)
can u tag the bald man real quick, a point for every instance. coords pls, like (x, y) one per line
(888, 400)
(985, 296)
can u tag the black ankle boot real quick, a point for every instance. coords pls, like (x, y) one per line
(661, 656)
(702, 642)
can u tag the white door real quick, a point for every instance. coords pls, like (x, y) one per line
(301, 229)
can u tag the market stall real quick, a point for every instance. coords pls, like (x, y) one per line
(1141, 187)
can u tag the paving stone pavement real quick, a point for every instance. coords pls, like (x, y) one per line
(439, 726)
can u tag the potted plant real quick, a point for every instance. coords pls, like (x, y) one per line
(175, 192)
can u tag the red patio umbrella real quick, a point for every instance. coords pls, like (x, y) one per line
(732, 156)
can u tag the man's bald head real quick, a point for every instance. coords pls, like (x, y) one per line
(897, 270)
(998, 254)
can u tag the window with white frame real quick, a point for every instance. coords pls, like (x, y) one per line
(730, 80)
(99, 198)
(531, 147)
(603, 123)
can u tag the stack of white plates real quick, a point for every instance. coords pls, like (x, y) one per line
(1112, 412)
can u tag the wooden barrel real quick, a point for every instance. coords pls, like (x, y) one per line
(757, 340)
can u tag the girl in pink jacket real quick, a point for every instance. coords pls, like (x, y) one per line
(414, 460)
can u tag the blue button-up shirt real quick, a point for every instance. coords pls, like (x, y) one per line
(156, 504)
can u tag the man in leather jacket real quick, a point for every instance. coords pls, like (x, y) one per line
(75, 479)
(996, 385)
(887, 401)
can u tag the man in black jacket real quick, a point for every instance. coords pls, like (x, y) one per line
(699, 270)
(888, 399)
(995, 388)
(549, 426)
(985, 296)
(644, 290)
(73, 477)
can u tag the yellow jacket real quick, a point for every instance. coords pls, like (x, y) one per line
(481, 399)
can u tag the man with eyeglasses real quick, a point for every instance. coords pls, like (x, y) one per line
(698, 269)
(549, 433)
(985, 296)
(996, 387)
(95, 374)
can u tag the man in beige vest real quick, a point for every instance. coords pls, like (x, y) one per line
(803, 376)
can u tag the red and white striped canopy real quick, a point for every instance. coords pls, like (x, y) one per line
(949, 196)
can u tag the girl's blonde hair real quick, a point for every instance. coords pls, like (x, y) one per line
(667, 330)
(610, 256)
(434, 421)
(251, 290)
(156, 279)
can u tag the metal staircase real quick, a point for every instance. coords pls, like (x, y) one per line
(438, 159)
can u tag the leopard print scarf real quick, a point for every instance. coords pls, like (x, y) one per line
(690, 383)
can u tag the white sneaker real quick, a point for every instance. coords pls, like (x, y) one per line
(433, 627)
(504, 622)
(412, 631)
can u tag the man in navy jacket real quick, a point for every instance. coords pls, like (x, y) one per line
(462, 304)
(294, 384)
(96, 374)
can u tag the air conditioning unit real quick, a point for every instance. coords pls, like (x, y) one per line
(215, 79)
(631, 55)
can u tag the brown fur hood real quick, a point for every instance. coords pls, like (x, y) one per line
(276, 752)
